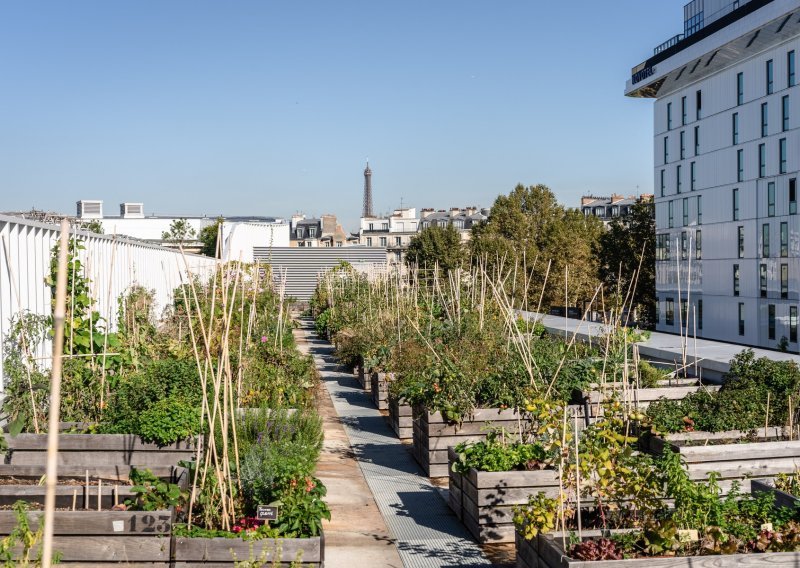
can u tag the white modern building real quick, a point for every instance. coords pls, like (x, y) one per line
(726, 157)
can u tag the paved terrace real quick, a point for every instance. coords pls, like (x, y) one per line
(712, 357)
(415, 527)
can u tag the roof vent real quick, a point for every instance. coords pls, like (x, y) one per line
(131, 210)
(90, 209)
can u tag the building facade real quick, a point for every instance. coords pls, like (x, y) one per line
(609, 208)
(392, 232)
(726, 157)
(460, 219)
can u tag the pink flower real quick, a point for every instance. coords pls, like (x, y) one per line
(263, 339)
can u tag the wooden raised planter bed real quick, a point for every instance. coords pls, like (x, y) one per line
(546, 551)
(484, 501)
(222, 551)
(432, 434)
(101, 538)
(364, 378)
(641, 398)
(400, 418)
(379, 386)
(724, 453)
(782, 499)
(97, 450)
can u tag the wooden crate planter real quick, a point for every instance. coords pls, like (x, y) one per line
(724, 453)
(546, 551)
(484, 501)
(220, 551)
(782, 499)
(379, 387)
(364, 378)
(97, 450)
(400, 418)
(432, 434)
(88, 538)
(642, 398)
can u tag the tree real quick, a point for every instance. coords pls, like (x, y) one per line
(628, 244)
(528, 230)
(93, 226)
(208, 236)
(180, 231)
(434, 246)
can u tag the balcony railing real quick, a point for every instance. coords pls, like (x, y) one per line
(667, 44)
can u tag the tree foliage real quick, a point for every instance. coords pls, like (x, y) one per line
(208, 236)
(434, 246)
(528, 230)
(627, 247)
(180, 231)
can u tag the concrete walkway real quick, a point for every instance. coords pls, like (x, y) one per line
(416, 523)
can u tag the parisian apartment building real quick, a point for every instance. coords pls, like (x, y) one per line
(726, 155)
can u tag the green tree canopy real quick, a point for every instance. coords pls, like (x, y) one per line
(434, 246)
(628, 244)
(208, 236)
(180, 231)
(528, 230)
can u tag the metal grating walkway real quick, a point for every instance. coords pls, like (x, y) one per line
(426, 532)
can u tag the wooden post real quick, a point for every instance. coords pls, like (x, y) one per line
(55, 397)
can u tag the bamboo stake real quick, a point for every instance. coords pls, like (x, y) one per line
(55, 398)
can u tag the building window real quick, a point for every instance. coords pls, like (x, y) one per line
(371, 227)
(792, 196)
(741, 318)
(398, 241)
(735, 279)
(699, 314)
(383, 241)
(299, 233)
(735, 203)
(740, 88)
(770, 82)
(699, 209)
(764, 119)
(666, 149)
(765, 240)
(793, 324)
(735, 128)
(698, 245)
(696, 140)
(384, 226)
(658, 311)
(784, 239)
(692, 176)
(683, 144)
(683, 111)
(670, 312)
(369, 241)
(685, 211)
(684, 246)
(784, 281)
(699, 97)
(762, 160)
(771, 199)
(669, 116)
(790, 69)
(782, 156)
(678, 176)
(785, 113)
(662, 183)
(762, 270)
(671, 214)
(739, 165)
(312, 232)
(771, 320)
(685, 313)
(740, 236)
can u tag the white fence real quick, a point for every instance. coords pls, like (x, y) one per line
(112, 265)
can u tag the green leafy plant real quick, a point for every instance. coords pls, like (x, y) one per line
(539, 515)
(153, 493)
(17, 549)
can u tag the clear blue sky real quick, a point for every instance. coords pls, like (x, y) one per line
(267, 107)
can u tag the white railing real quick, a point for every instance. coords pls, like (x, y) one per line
(112, 265)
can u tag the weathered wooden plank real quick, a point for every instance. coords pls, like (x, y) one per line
(97, 523)
(94, 442)
(491, 479)
(122, 549)
(782, 499)
(114, 473)
(226, 549)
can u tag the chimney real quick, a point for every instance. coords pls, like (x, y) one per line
(454, 211)
(616, 197)
(90, 209)
(328, 224)
(131, 210)
(587, 199)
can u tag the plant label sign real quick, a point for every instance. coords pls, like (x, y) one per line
(267, 513)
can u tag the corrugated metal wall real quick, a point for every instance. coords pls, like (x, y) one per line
(112, 265)
(302, 266)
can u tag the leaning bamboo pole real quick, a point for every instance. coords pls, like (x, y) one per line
(59, 315)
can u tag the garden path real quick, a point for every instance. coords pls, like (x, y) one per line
(419, 523)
